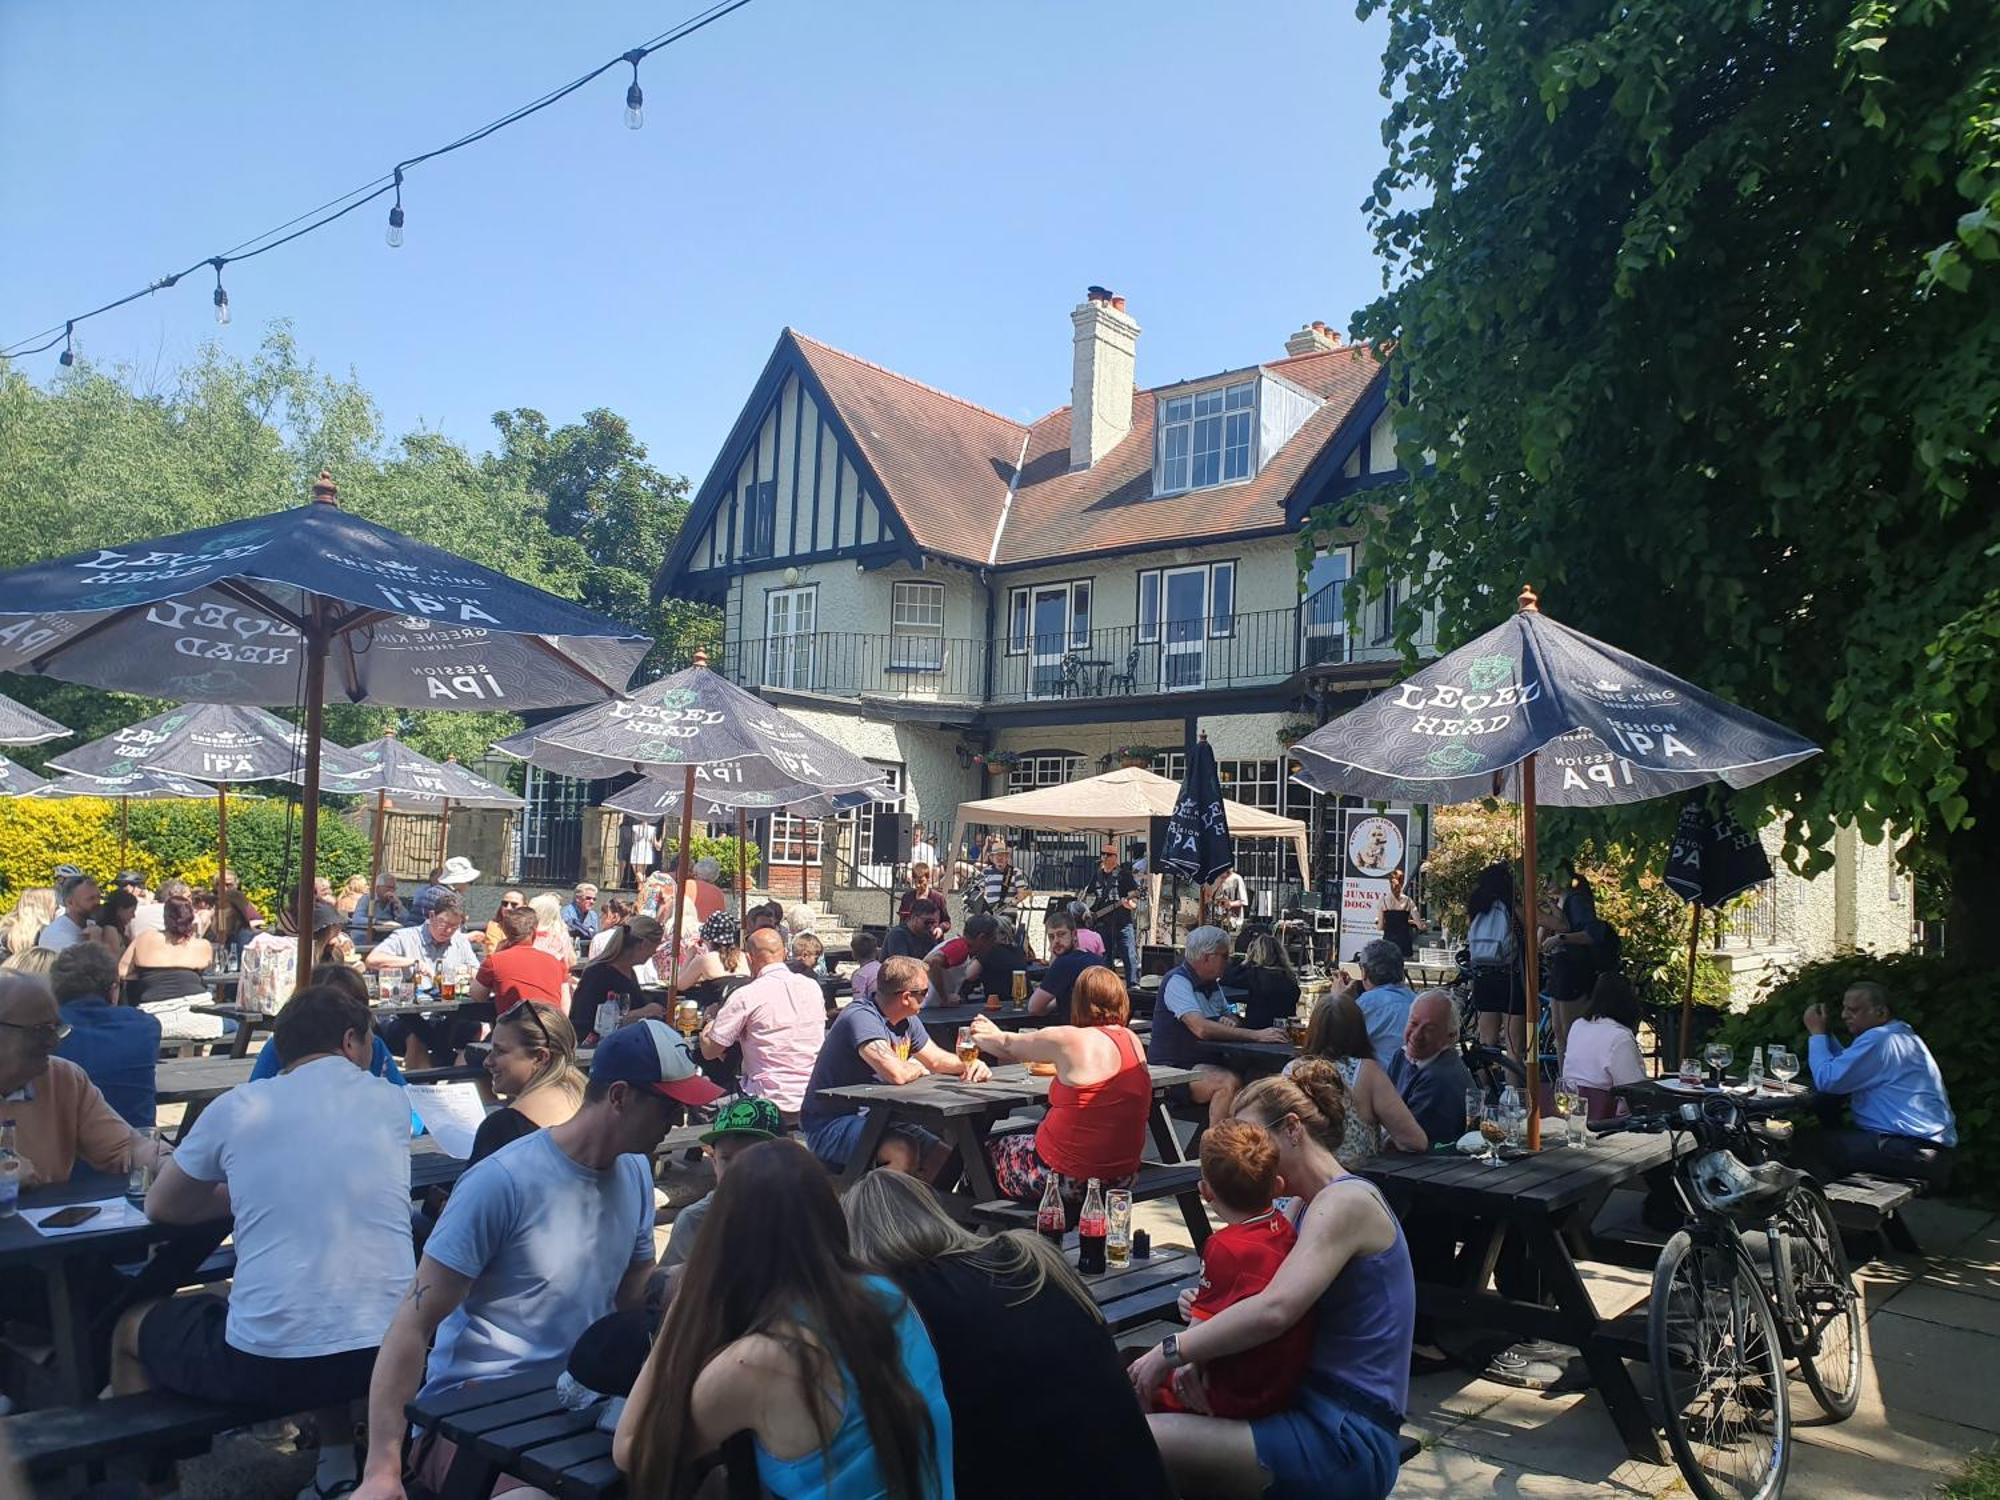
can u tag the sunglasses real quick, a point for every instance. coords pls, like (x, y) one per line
(505, 904)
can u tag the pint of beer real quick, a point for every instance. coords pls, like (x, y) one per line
(1020, 986)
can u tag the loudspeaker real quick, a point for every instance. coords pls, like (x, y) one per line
(893, 837)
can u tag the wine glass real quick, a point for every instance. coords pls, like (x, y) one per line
(1568, 1105)
(1784, 1064)
(1493, 1129)
(1718, 1055)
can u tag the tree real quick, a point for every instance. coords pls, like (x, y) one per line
(618, 513)
(96, 459)
(1695, 322)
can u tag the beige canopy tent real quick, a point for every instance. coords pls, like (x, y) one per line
(1124, 801)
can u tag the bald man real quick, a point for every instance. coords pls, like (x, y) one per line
(779, 1019)
(1428, 1072)
(59, 1116)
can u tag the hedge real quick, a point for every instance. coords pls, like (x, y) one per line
(721, 850)
(1949, 1005)
(168, 840)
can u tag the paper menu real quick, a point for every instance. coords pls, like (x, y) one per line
(451, 1112)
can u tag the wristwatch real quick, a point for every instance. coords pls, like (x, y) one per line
(1170, 1351)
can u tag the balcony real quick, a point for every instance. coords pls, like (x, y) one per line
(1258, 648)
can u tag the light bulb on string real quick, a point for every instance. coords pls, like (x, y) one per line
(68, 356)
(635, 97)
(221, 297)
(396, 215)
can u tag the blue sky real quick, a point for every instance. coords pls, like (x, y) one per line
(930, 185)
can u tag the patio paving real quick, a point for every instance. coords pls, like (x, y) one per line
(1931, 1342)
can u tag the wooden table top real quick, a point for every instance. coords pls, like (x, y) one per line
(184, 1080)
(947, 1095)
(1553, 1178)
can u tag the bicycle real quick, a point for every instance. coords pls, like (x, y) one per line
(1757, 1281)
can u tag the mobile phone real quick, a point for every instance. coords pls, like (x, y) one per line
(69, 1218)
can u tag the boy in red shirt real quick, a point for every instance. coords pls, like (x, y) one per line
(1239, 1177)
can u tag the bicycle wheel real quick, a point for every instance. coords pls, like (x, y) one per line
(1830, 1349)
(1720, 1372)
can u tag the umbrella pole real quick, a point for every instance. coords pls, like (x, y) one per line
(742, 875)
(444, 830)
(124, 817)
(1531, 960)
(375, 858)
(220, 926)
(315, 691)
(680, 889)
(1687, 989)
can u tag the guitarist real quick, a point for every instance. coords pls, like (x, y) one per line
(1113, 899)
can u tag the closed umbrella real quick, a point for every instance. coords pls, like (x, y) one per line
(301, 605)
(1713, 860)
(719, 737)
(215, 743)
(1197, 843)
(392, 769)
(1535, 712)
(21, 725)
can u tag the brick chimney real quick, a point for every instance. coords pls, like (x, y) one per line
(1314, 338)
(1107, 345)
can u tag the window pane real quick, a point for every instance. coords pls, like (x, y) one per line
(1079, 615)
(1240, 397)
(1208, 403)
(1149, 606)
(1222, 599)
(1017, 636)
(1179, 409)
(1236, 446)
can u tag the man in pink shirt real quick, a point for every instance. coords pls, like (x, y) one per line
(779, 1017)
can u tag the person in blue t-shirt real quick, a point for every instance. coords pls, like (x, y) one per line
(1384, 998)
(539, 1241)
(1903, 1124)
(117, 1047)
(880, 1040)
(1066, 961)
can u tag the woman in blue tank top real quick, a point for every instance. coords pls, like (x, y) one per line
(776, 1330)
(1338, 1440)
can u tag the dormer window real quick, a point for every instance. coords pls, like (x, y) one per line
(1207, 438)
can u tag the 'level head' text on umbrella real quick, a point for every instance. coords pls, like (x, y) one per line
(1533, 711)
(300, 605)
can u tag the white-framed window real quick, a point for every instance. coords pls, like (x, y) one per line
(1148, 614)
(791, 618)
(794, 841)
(1045, 619)
(1323, 609)
(1215, 604)
(760, 519)
(1051, 769)
(1207, 437)
(1221, 599)
(916, 627)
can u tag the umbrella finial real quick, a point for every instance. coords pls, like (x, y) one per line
(389, 733)
(325, 491)
(1530, 601)
(700, 657)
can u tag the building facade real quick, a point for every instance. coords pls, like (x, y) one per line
(979, 605)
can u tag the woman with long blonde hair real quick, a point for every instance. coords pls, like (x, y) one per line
(33, 910)
(551, 932)
(534, 1068)
(1004, 1313)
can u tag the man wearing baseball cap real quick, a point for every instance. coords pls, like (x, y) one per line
(537, 1242)
(739, 1125)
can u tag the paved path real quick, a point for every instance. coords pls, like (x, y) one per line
(1929, 1397)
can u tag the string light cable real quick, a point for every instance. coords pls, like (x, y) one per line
(391, 182)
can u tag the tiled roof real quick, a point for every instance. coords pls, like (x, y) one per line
(947, 464)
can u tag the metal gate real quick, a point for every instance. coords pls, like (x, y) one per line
(552, 828)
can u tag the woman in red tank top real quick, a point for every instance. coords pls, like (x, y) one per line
(1098, 1102)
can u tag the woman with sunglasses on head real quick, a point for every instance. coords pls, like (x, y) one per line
(533, 1067)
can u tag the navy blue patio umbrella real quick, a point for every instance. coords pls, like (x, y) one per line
(19, 781)
(21, 725)
(304, 605)
(1534, 712)
(1197, 842)
(1713, 860)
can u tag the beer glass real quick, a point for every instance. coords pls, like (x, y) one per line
(1118, 1221)
(968, 1048)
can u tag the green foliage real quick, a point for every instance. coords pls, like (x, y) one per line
(706, 846)
(1949, 1006)
(170, 839)
(1694, 310)
(100, 457)
(1465, 839)
(1979, 1480)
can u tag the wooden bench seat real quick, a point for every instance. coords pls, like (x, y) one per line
(1156, 1180)
(157, 1424)
(1866, 1204)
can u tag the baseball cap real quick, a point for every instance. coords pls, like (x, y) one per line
(650, 1055)
(752, 1117)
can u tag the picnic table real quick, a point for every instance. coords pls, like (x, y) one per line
(944, 1021)
(1537, 1198)
(249, 1022)
(74, 1267)
(964, 1114)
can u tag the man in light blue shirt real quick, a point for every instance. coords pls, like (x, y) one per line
(1384, 998)
(1903, 1125)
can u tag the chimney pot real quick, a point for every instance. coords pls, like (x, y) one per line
(1119, 303)
(1314, 338)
